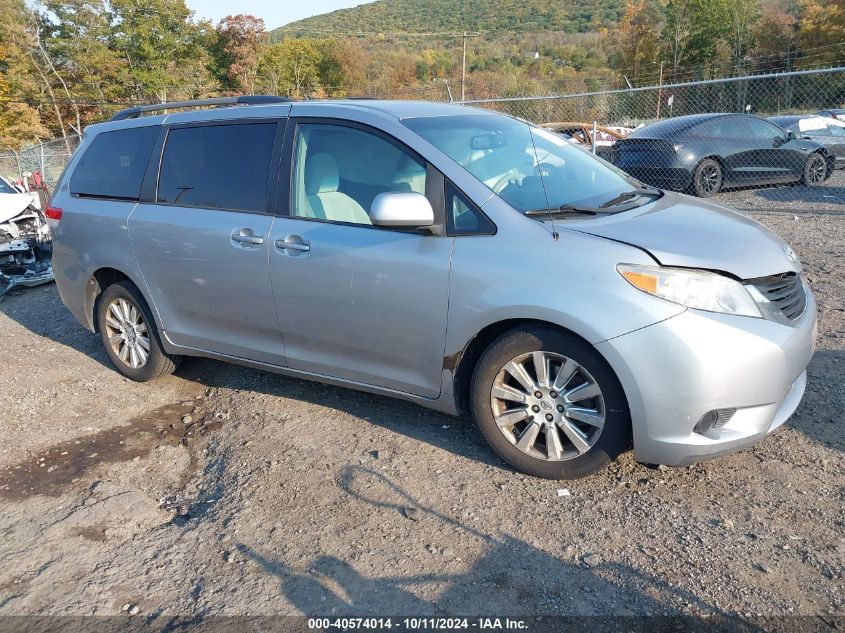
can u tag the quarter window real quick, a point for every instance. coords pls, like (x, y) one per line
(338, 171)
(217, 166)
(114, 163)
(464, 218)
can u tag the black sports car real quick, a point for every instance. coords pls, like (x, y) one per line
(704, 153)
(828, 131)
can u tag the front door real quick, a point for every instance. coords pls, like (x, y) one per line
(204, 244)
(355, 301)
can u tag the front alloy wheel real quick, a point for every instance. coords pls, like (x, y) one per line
(548, 406)
(815, 170)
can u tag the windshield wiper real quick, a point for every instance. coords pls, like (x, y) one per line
(565, 210)
(615, 205)
(634, 193)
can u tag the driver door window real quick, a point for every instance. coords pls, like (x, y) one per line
(338, 171)
(765, 131)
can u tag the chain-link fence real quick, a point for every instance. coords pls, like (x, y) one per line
(48, 159)
(692, 136)
(697, 137)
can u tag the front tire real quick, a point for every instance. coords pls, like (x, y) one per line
(815, 170)
(707, 178)
(129, 334)
(549, 404)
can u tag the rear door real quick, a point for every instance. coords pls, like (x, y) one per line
(729, 138)
(202, 237)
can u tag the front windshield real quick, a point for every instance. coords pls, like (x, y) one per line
(528, 167)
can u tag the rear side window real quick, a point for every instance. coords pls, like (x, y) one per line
(113, 166)
(217, 166)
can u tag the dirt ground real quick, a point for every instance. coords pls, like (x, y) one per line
(281, 496)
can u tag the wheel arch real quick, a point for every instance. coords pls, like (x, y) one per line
(101, 279)
(715, 157)
(463, 364)
(829, 159)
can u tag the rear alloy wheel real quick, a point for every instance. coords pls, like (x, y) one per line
(707, 179)
(128, 333)
(815, 170)
(549, 404)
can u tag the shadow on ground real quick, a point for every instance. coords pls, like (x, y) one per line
(511, 578)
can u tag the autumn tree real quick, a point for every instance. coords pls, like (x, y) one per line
(20, 119)
(240, 42)
(821, 25)
(638, 36)
(342, 66)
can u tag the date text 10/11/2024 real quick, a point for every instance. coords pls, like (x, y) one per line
(418, 624)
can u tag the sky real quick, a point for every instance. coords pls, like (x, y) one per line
(274, 12)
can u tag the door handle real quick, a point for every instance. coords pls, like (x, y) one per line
(286, 244)
(246, 236)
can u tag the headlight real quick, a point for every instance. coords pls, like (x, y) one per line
(692, 288)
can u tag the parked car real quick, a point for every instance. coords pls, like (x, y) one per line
(8, 187)
(835, 113)
(828, 131)
(453, 257)
(583, 133)
(705, 153)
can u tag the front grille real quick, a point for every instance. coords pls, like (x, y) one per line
(785, 292)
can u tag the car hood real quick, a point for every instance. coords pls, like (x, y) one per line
(679, 230)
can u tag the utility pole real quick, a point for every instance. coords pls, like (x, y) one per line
(660, 91)
(464, 64)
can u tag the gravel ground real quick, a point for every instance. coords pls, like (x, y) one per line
(829, 197)
(223, 490)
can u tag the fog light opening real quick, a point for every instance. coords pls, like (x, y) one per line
(715, 419)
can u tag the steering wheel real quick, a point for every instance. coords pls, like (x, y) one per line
(510, 176)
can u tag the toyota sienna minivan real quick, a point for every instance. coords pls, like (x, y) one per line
(454, 257)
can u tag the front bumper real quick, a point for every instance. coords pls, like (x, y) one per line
(675, 371)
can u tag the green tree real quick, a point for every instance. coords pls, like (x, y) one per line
(290, 67)
(167, 53)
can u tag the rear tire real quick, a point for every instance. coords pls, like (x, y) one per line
(130, 336)
(574, 428)
(707, 178)
(815, 170)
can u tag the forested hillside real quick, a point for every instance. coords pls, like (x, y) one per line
(510, 17)
(67, 63)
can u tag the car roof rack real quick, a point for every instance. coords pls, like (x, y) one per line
(136, 111)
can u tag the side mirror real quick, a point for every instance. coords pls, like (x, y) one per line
(400, 209)
(790, 135)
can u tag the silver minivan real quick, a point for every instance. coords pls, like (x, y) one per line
(454, 257)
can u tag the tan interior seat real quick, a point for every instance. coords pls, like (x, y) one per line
(410, 176)
(322, 198)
